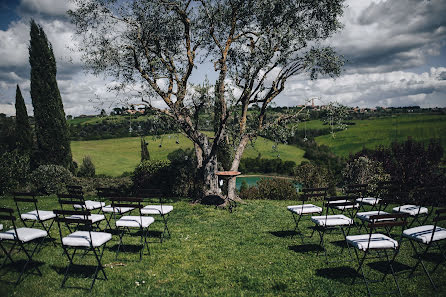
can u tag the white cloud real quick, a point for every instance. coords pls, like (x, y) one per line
(47, 7)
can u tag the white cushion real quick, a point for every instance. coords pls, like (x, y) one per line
(424, 233)
(369, 200)
(304, 209)
(332, 220)
(110, 209)
(377, 241)
(82, 238)
(365, 216)
(1, 226)
(24, 234)
(156, 209)
(411, 209)
(134, 221)
(43, 214)
(90, 205)
(93, 218)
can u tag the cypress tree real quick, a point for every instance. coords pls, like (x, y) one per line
(51, 128)
(24, 139)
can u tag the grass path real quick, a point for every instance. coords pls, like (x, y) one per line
(215, 253)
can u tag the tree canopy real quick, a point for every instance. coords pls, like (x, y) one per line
(51, 127)
(24, 139)
(153, 47)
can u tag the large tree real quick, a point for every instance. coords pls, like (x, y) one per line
(51, 127)
(24, 138)
(253, 46)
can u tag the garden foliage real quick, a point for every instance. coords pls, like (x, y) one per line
(87, 168)
(14, 168)
(362, 170)
(51, 179)
(260, 165)
(270, 189)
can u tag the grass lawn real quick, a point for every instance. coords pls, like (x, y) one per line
(115, 156)
(384, 131)
(215, 253)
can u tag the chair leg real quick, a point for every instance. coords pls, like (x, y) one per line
(99, 266)
(29, 256)
(420, 261)
(7, 254)
(70, 259)
(442, 253)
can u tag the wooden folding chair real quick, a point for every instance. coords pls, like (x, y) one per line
(298, 211)
(378, 243)
(75, 200)
(35, 216)
(156, 209)
(21, 237)
(139, 222)
(88, 204)
(328, 223)
(430, 236)
(83, 239)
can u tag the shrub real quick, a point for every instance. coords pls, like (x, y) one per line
(51, 179)
(89, 185)
(14, 169)
(182, 171)
(310, 175)
(271, 189)
(259, 165)
(362, 170)
(151, 174)
(87, 168)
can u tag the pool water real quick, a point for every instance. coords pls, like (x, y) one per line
(252, 180)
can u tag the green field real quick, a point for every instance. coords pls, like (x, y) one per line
(384, 131)
(115, 156)
(250, 252)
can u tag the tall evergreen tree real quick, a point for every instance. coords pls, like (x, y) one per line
(24, 138)
(51, 127)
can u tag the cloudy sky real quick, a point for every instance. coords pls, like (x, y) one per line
(395, 51)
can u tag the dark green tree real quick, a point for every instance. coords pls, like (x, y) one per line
(145, 155)
(24, 138)
(53, 145)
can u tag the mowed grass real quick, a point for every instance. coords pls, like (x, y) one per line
(212, 252)
(115, 156)
(384, 131)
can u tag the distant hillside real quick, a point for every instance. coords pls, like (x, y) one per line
(383, 131)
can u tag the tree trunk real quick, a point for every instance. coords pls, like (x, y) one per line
(234, 167)
(207, 188)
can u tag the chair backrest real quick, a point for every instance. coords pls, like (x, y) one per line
(132, 202)
(347, 201)
(75, 190)
(151, 193)
(21, 198)
(104, 192)
(70, 199)
(308, 193)
(386, 222)
(7, 216)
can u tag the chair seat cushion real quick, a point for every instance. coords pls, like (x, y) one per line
(368, 200)
(424, 233)
(1, 226)
(134, 221)
(120, 210)
(24, 234)
(156, 209)
(332, 220)
(94, 218)
(411, 210)
(82, 238)
(43, 214)
(90, 205)
(377, 241)
(304, 209)
(365, 216)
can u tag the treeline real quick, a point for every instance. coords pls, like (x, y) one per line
(260, 165)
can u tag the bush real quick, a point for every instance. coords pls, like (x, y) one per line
(14, 169)
(182, 171)
(271, 189)
(87, 168)
(122, 184)
(51, 179)
(151, 174)
(310, 175)
(259, 165)
(362, 170)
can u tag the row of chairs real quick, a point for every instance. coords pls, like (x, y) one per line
(79, 228)
(357, 211)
